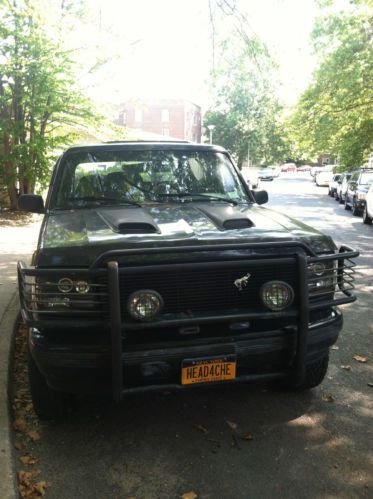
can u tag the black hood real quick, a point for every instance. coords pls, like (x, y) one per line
(78, 237)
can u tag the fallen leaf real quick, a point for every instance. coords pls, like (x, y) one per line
(328, 398)
(346, 368)
(201, 428)
(232, 425)
(40, 487)
(28, 459)
(189, 495)
(334, 347)
(20, 425)
(247, 437)
(18, 445)
(361, 359)
(33, 435)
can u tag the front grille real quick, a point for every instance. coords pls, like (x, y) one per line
(193, 291)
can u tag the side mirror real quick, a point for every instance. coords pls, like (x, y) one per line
(31, 202)
(261, 197)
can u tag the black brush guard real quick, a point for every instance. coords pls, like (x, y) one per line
(309, 298)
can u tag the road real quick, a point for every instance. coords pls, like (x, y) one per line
(236, 441)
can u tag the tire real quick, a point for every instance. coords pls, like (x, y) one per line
(48, 403)
(340, 199)
(347, 206)
(366, 218)
(315, 373)
(355, 209)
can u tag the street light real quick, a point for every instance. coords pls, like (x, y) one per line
(211, 128)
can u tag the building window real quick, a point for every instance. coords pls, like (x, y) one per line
(138, 115)
(165, 116)
(124, 118)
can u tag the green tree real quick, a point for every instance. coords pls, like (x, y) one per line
(335, 113)
(246, 114)
(38, 94)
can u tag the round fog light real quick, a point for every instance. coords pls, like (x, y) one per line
(82, 287)
(65, 285)
(145, 304)
(277, 295)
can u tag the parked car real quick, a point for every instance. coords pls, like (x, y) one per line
(289, 167)
(368, 209)
(323, 178)
(251, 177)
(357, 189)
(265, 174)
(156, 268)
(276, 170)
(304, 168)
(342, 187)
(333, 184)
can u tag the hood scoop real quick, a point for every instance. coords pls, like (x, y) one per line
(132, 220)
(238, 223)
(227, 217)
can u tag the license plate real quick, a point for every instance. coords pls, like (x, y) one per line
(208, 370)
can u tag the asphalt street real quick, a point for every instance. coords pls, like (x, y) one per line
(238, 441)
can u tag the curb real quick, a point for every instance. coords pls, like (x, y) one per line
(7, 475)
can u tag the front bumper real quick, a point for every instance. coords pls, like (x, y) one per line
(113, 361)
(259, 356)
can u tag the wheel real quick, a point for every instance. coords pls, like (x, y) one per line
(315, 373)
(341, 199)
(48, 403)
(355, 209)
(347, 206)
(330, 193)
(366, 218)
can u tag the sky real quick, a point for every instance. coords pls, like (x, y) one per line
(164, 47)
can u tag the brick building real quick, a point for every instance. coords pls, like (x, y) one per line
(174, 118)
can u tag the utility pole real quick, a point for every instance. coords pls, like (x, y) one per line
(210, 128)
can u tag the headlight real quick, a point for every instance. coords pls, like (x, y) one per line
(145, 304)
(81, 287)
(277, 295)
(317, 268)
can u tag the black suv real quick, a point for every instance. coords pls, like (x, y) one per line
(156, 268)
(357, 189)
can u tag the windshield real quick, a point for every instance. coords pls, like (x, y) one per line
(137, 177)
(366, 178)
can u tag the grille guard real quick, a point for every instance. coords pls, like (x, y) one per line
(341, 273)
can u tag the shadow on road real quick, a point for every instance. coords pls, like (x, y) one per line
(232, 442)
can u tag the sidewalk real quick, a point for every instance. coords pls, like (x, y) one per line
(17, 242)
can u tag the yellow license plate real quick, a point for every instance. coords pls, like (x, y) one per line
(208, 370)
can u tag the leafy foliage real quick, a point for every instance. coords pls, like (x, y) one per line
(39, 96)
(334, 115)
(245, 114)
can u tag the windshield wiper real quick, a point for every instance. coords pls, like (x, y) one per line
(101, 200)
(207, 197)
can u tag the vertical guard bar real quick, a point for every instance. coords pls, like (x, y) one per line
(116, 331)
(303, 319)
